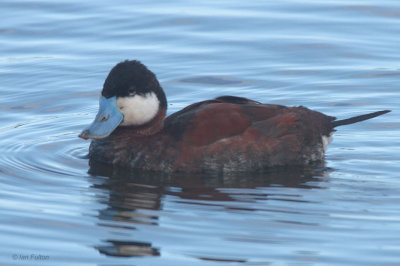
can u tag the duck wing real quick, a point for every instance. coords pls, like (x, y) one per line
(218, 119)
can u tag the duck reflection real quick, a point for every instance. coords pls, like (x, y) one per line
(135, 198)
(128, 249)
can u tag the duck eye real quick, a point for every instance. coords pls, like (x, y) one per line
(131, 91)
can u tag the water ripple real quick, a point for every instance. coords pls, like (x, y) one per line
(42, 146)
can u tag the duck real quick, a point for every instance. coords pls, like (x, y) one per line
(225, 134)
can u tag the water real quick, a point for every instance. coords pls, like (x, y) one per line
(338, 57)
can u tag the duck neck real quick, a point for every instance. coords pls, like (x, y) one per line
(150, 128)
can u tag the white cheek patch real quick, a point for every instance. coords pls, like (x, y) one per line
(138, 109)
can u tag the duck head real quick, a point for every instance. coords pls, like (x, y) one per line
(131, 97)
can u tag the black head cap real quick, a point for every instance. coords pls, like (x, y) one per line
(131, 77)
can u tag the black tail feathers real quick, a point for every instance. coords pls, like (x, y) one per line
(359, 118)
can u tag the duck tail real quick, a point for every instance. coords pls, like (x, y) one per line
(359, 118)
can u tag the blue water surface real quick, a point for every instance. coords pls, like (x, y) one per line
(338, 57)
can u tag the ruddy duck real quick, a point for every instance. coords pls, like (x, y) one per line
(224, 134)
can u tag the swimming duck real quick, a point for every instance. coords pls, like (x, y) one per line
(224, 134)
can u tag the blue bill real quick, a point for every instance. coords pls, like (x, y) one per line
(106, 121)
